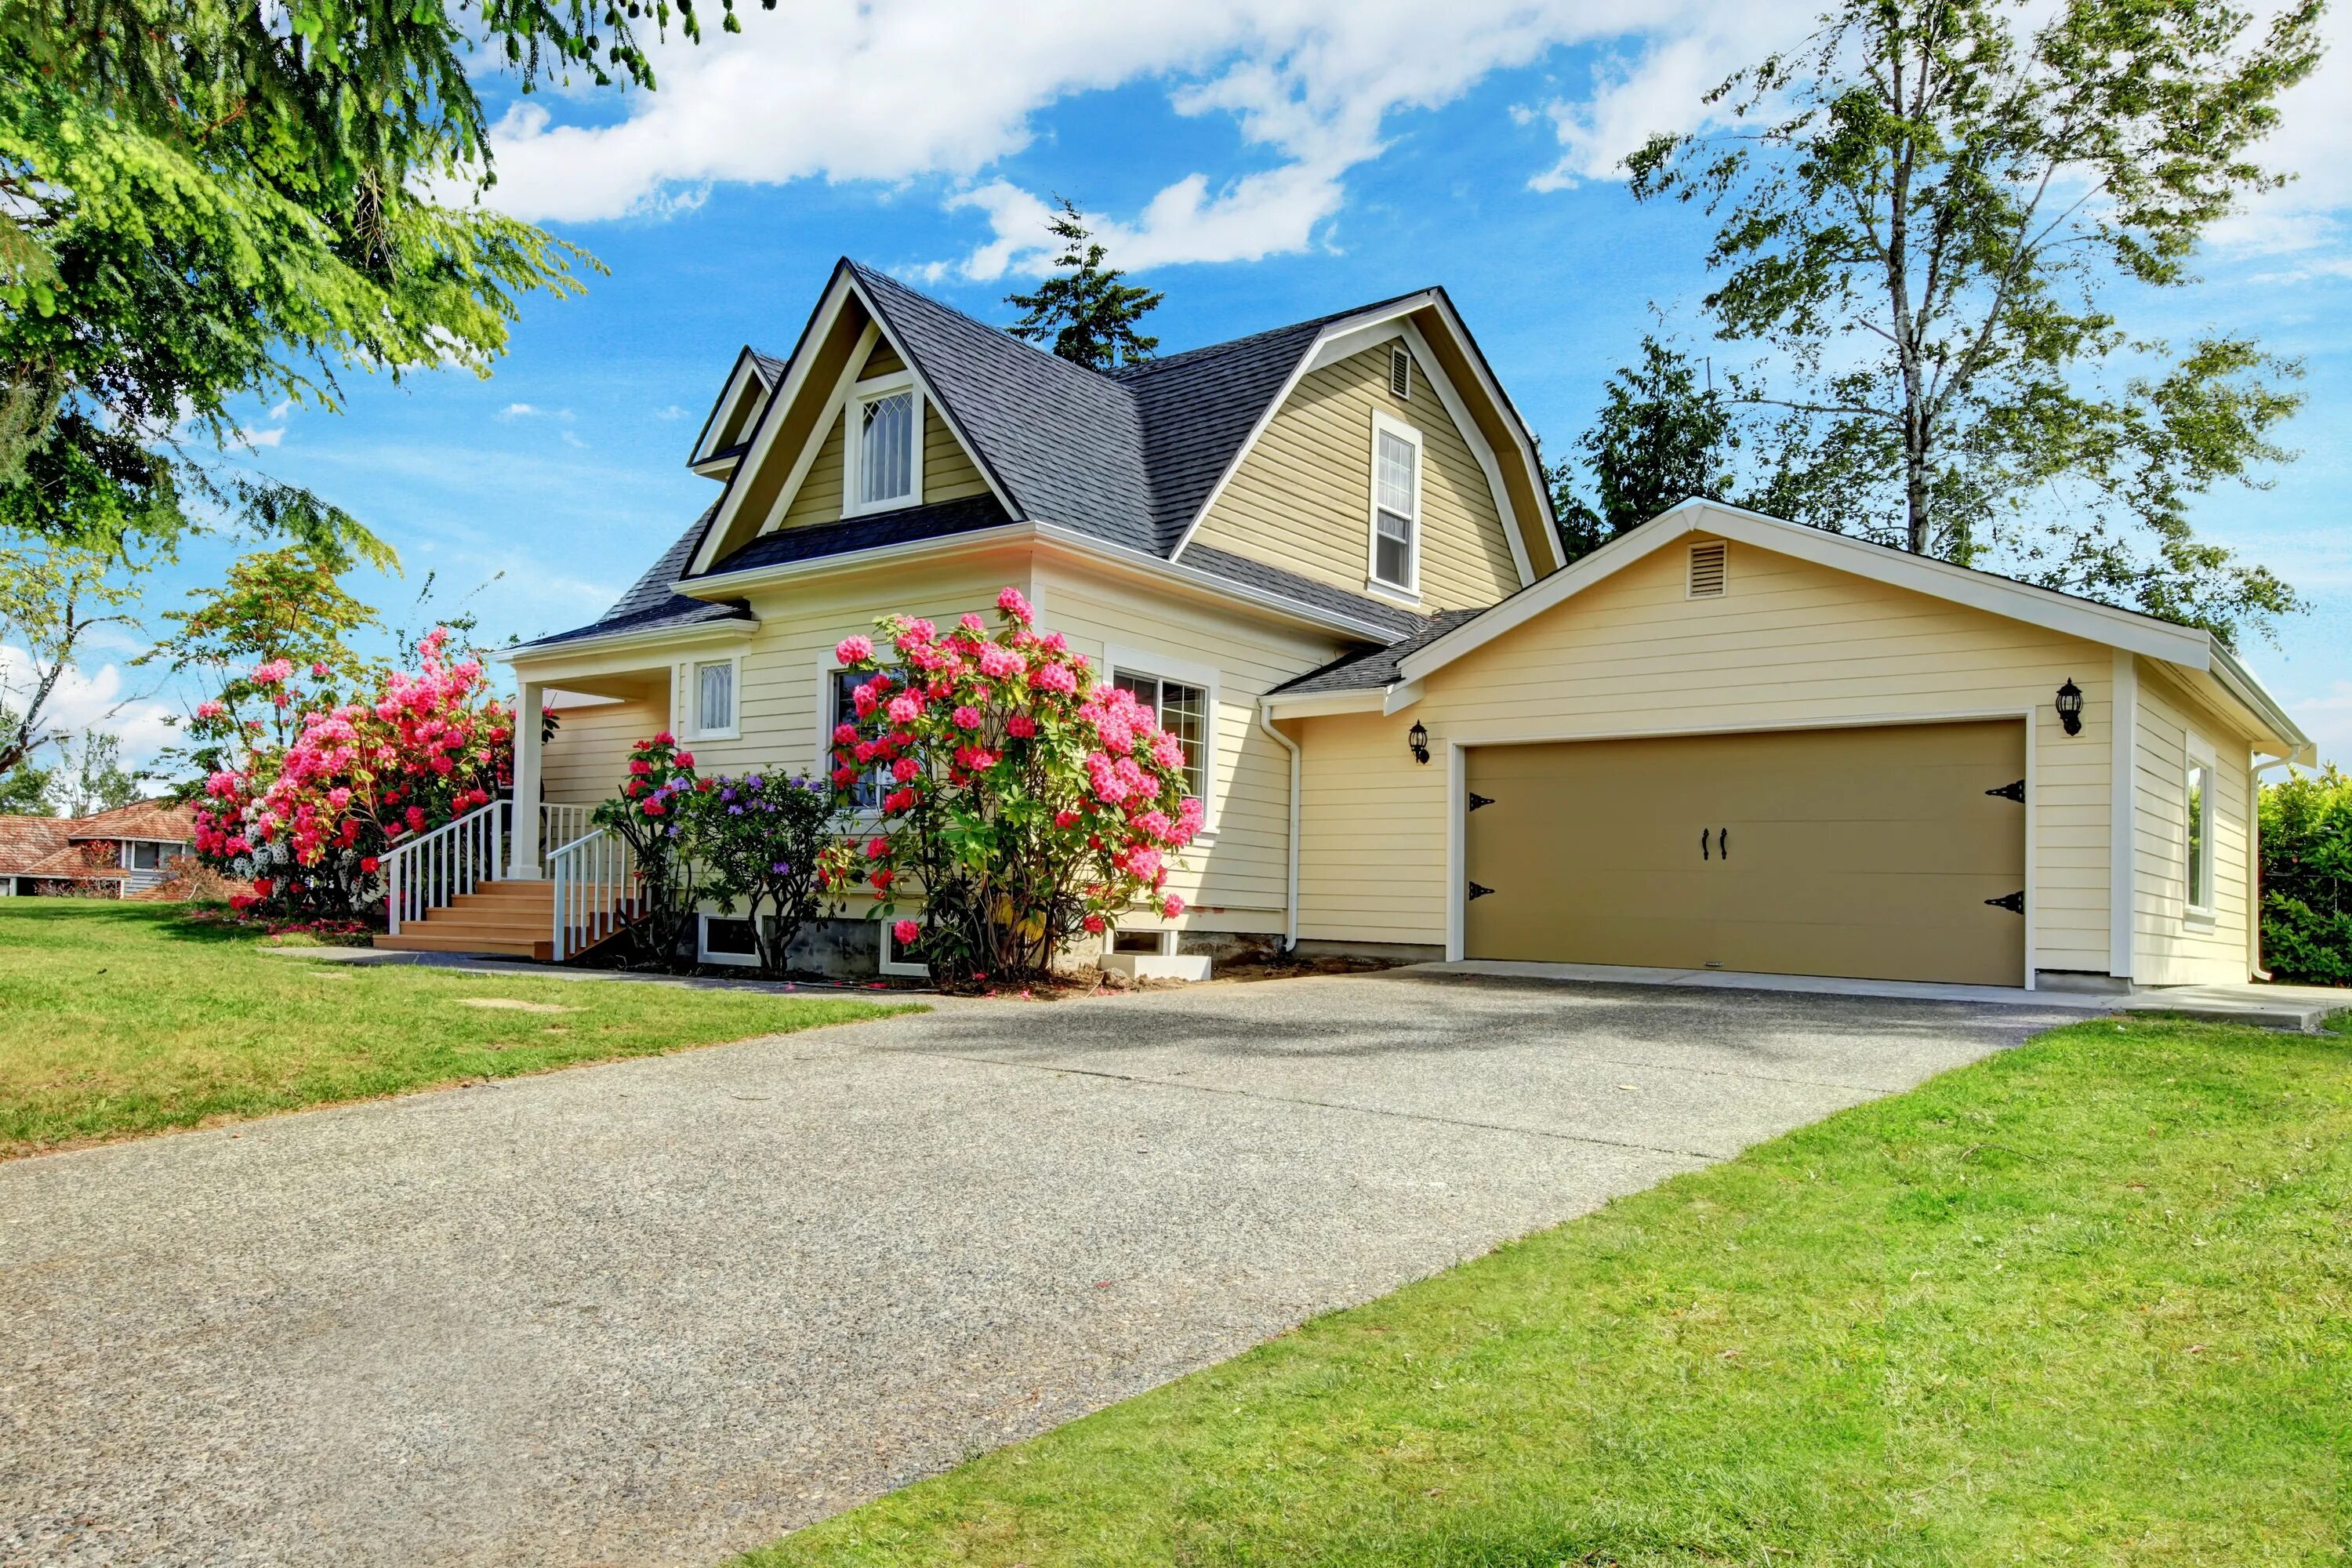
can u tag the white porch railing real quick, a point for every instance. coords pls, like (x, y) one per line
(595, 878)
(424, 873)
(560, 824)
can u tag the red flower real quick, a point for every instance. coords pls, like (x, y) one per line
(368, 863)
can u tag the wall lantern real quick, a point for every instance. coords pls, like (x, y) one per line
(2070, 707)
(1418, 739)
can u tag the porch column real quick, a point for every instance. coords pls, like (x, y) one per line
(523, 847)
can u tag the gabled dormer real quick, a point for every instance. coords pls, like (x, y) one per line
(741, 401)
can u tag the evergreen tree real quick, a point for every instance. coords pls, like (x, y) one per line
(1660, 438)
(1086, 312)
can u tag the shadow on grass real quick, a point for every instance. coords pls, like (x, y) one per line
(174, 922)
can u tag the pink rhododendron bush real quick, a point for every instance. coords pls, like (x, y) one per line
(1019, 804)
(308, 824)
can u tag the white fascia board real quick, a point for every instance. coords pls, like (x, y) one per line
(1319, 704)
(737, 628)
(1349, 327)
(1149, 565)
(1475, 439)
(763, 432)
(1401, 696)
(932, 403)
(2183, 645)
(1519, 426)
(733, 584)
(745, 370)
(2240, 683)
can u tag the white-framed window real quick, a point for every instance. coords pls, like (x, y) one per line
(1158, 944)
(1395, 546)
(883, 452)
(837, 705)
(1184, 697)
(711, 694)
(897, 960)
(724, 939)
(2198, 811)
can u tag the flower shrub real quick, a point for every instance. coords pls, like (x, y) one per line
(1024, 803)
(773, 844)
(308, 824)
(652, 813)
(2306, 833)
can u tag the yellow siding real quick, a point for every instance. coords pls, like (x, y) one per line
(881, 361)
(819, 498)
(589, 756)
(1302, 497)
(1789, 644)
(2173, 946)
(1236, 881)
(949, 473)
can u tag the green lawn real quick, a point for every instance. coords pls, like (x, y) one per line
(2086, 1302)
(119, 1018)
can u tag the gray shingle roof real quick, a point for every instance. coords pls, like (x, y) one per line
(1393, 619)
(650, 603)
(1370, 671)
(904, 527)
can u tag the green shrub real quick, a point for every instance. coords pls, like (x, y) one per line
(2307, 878)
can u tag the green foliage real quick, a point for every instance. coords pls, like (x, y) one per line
(770, 843)
(1927, 214)
(2306, 833)
(650, 815)
(272, 607)
(93, 778)
(52, 593)
(1659, 438)
(25, 789)
(1086, 313)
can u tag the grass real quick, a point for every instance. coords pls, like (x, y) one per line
(2085, 1303)
(122, 1018)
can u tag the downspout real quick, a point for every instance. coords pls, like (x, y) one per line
(1290, 879)
(2254, 862)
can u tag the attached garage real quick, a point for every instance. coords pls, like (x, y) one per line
(1889, 852)
(1725, 741)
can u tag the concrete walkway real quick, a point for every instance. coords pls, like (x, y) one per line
(2305, 1008)
(654, 1312)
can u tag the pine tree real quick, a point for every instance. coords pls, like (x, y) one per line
(1086, 313)
(1658, 440)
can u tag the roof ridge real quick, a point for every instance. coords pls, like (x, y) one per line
(1142, 368)
(872, 275)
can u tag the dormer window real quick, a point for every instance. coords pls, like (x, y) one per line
(885, 446)
(1395, 564)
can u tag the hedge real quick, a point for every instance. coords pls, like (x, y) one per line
(2307, 878)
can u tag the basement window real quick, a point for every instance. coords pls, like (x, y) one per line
(1157, 943)
(1708, 570)
(729, 941)
(902, 958)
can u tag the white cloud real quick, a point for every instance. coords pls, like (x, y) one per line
(520, 411)
(895, 89)
(2328, 720)
(101, 699)
(255, 436)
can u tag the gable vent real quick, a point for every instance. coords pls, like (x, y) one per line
(1400, 372)
(1707, 569)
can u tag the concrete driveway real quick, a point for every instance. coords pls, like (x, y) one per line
(658, 1310)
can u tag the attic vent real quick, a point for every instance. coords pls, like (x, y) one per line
(1400, 372)
(1707, 569)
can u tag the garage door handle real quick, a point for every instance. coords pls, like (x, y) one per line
(1702, 846)
(1723, 842)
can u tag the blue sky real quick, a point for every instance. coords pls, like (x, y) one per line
(1260, 163)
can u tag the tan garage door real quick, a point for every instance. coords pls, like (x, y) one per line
(1867, 852)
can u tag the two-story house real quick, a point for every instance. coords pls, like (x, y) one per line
(1327, 555)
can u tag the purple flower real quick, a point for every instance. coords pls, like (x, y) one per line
(782, 868)
(726, 794)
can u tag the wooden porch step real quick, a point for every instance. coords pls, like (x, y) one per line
(419, 940)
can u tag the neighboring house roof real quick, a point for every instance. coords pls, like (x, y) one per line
(41, 846)
(161, 820)
(651, 604)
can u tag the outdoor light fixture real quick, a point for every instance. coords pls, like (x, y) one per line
(1418, 739)
(2070, 707)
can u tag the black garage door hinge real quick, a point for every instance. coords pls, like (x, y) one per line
(2013, 902)
(1477, 800)
(2015, 792)
(1479, 890)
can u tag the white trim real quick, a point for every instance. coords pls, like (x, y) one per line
(737, 629)
(1529, 459)
(2198, 752)
(1387, 424)
(836, 402)
(2123, 818)
(745, 367)
(2240, 682)
(702, 953)
(1457, 793)
(1425, 365)
(1322, 704)
(885, 962)
(852, 443)
(2182, 646)
(693, 668)
(1118, 657)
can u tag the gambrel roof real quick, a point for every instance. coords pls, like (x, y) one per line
(1128, 458)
